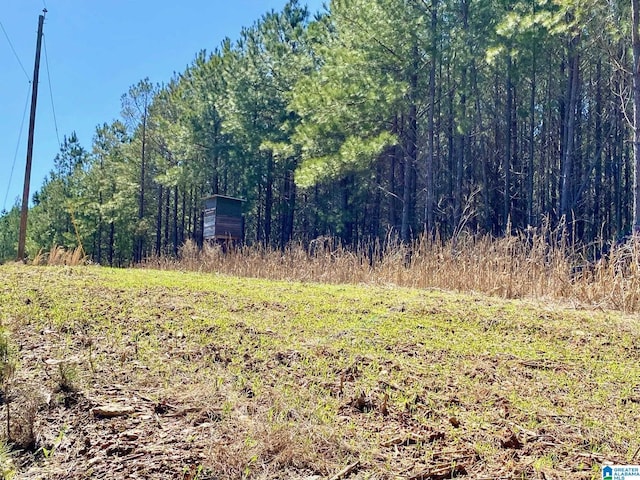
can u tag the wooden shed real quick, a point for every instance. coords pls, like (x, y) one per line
(223, 219)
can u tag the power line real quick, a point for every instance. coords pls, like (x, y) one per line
(53, 108)
(14, 51)
(15, 156)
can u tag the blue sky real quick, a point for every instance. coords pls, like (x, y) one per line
(95, 51)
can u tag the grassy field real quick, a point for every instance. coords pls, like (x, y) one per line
(158, 374)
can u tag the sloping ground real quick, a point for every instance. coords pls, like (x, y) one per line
(157, 375)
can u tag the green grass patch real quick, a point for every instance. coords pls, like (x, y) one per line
(296, 379)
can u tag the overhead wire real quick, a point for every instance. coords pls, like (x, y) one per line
(15, 155)
(14, 51)
(24, 114)
(53, 108)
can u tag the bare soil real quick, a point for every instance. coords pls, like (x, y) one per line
(156, 376)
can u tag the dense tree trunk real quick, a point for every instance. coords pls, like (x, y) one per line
(451, 144)
(568, 141)
(112, 230)
(268, 201)
(98, 256)
(597, 184)
(409, 171)
(347, 211)
(176, 197)
(394, 156)
(183, 217)
(635, 29)
(374, 230)
(167, 223)
(506, 209)
(288, 208)
(159, 222)
(431, 106)
(531, 150)
(140, 237)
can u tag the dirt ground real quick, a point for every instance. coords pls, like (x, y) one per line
(126, 382)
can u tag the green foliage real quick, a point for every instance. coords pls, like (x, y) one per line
(57, 205)
(354, 153)
(9, 229)
(361, 121)
(349, 103)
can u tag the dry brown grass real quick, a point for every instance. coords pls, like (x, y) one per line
(60, 256)
(533, 264)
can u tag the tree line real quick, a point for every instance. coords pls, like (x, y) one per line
(373, 119)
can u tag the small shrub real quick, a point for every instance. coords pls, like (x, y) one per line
(23, 432)
(67, 376)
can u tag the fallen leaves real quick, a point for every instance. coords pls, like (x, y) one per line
(508, 439)
(362, 403)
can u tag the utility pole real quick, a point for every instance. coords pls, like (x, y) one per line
(32, 125)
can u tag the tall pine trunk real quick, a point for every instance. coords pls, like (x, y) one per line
(159, 222)
(176, 197)
(506, 207)
(411, 150)
(431, 157)
(635, 20)
(569, 129)
(597, 187)
(140, 236)
(112, 233)
(268, 201)
(532, 136)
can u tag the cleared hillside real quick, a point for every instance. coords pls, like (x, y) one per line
(149, 374)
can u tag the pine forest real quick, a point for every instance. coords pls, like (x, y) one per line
(371, 121)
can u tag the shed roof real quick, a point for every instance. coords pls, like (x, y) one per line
(227, 197)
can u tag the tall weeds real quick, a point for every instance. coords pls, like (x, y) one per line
(532, 264)
(61, 256)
